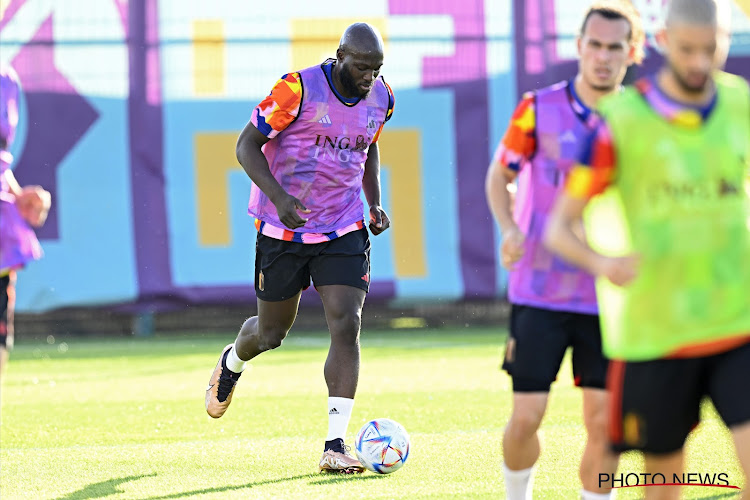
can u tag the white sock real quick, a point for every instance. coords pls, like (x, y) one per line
(339, 413)
(588, 495)
(517, 483)
(234, 363)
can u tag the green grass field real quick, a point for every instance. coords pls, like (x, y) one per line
(117, 418)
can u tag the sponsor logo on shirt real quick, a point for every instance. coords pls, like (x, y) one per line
(341, 148)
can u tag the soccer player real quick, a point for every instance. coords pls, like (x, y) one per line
(553, 303)
(670, 243)
(311, 149)
(19, 208)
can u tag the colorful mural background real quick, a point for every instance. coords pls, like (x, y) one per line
(131, 109)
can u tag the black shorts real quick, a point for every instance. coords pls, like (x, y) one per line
(284, 268)
(7, 303)
(537, 343)
(655, 404)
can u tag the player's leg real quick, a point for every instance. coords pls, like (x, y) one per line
(281, 273)
(653, 407)
(741, 437)
(341, 276)
(666, 464)
(521, 446)
(7, 301)
(343, 310)
(729, 373)
(590, 373)
(268, 329)
(258, 334)
(533, 354)
(598, 457)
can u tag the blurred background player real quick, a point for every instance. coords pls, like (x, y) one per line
(19, 207)
(318, 130)
(553, 303)
(673, 247)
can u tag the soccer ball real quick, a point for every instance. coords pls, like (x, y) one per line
(382, 445)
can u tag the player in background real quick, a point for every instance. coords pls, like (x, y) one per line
(553, 303)
(19, 207)
(670, 243)
(311, 149)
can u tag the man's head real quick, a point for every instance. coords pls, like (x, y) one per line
(359, 58)
(695, 39)
(611, 39)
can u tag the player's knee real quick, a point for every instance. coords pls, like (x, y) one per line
(271, 338)
(524, 422)
(345, 326)
(597, 425)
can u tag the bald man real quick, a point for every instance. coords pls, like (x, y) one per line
(670, 243)
(311, 149)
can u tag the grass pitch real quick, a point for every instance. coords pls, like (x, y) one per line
(124, 419)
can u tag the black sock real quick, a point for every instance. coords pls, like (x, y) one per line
(336, 445)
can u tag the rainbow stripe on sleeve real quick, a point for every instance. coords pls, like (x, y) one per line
(280, 108)
(596, 167)
(519, 142)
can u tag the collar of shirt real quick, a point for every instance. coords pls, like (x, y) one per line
(328, 70)
(679, 113)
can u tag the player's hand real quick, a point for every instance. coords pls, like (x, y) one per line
(287, 209)
(619, 270)
(512, 247)
(379, 220)
(33, 205)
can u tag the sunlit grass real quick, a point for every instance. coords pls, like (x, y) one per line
(123, 419)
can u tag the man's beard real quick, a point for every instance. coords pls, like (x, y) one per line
(600, 88)
(684, 85)
(350, 86)
(603, 88)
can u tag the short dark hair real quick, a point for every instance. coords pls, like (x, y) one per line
(620, 9)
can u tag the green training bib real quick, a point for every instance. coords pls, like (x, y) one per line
(679, 200)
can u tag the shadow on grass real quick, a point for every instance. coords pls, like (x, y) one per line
(340, 478)
(102, 489)
(316, 479)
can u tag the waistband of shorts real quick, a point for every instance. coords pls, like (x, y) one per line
(279, 233)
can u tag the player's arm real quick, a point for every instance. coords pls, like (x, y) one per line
(33, 202)
(516, 148)
(498, 185)
(587, 180)
(379, 220)
(273, 115)
(13, 185)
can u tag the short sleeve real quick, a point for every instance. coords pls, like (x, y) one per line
(519, 142)
(389, 111)
(595, 169)
(277, 111)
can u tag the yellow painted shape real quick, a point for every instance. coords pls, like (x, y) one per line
(315, 40)
(401, 154)
(744, 5)
(214, 160)
(209, 58)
